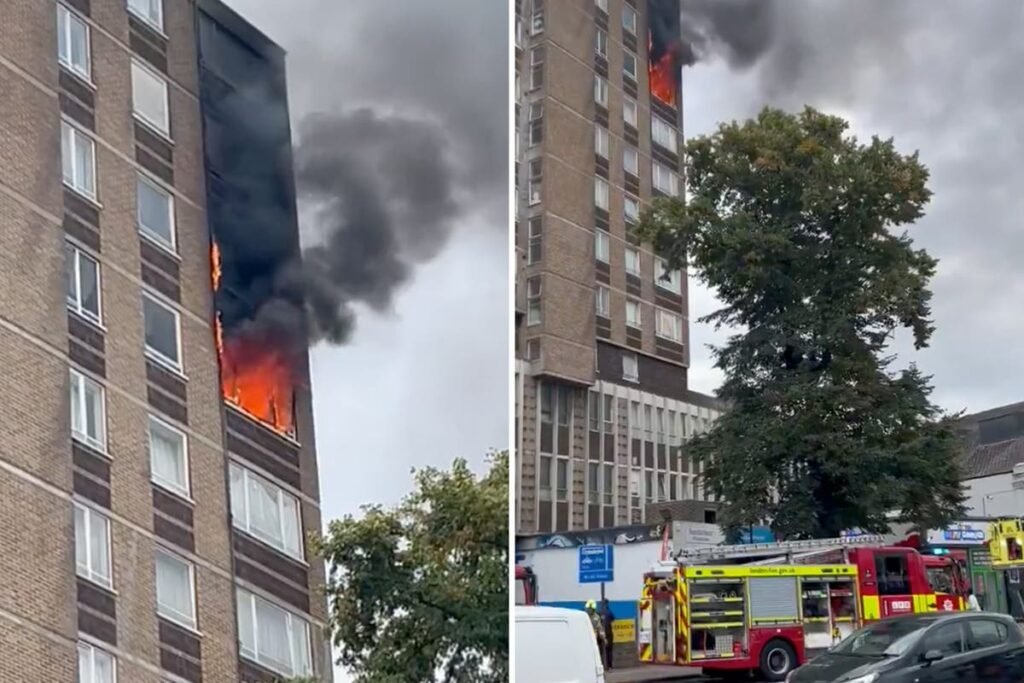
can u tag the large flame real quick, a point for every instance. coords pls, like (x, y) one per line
(256, 379)
(662, 74)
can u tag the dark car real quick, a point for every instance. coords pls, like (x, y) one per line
(962, 647)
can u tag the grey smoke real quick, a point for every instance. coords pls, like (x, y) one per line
(740, 31)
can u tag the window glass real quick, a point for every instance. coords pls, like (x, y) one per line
(81, 277)
(88, 414)
(168, 457)
(161, 324)
(155, 212)
(265, 511)
(73, 42)
(985, 633)
(151, 11)
(78, 159)
(273, 637)
(149, 98)
(94, 665)
(174, 589)
(601, 245)
(92, 546)
(946, 639)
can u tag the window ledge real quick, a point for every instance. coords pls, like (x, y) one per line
(166, 365)
(100, 451)
(271, 668)
(170, 250)
(183, 497)
(96, 584)
(98, 325)
(253, 537)
(185, 627)
(77, 75)
(81, 195)
(150, 24)
(152, 128)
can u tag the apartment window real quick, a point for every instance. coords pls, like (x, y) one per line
(631, 209)
(601, 246)
(265, 511)
(633, 314)
(601, 46)
(603, 296)
(601, 91)
(168, 457)
(88, 411)
(544, 478)
(537, 26)
(175, 589)
(564, 409)
(273, 637)
(533, 349)
(154, 211)
(73, 42)
(629, 65)
(536, 123)
(662, 491)
(608, 413)
(631, 161)
(92, 546)
(82, 279)
(602, 5)
(601, 141)
(601, 193)
(629, 112)
(95, 665)
(672, 280)
(629, 19)
(533, 185)
(163, 332)
(534, 288)
(632, 261)
(663, 134)
(535, 233)
(561, 480)
(630, 367)
(150, 11)
(547, 403)
(669, 326)
(664, 180)
(649, 486)
(648, 423)
(609, 484)
(149, 98)
(78, 159)
(536, 67)
(672, 489)
(593, 483)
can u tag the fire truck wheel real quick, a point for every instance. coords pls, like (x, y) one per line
(777, 660)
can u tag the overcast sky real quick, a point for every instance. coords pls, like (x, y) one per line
(940, 76)
(428, 381)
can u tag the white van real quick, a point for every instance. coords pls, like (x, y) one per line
(556, 646)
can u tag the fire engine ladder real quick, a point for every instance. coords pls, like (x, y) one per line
(771, 553)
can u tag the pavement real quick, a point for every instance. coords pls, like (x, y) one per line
(650, 674)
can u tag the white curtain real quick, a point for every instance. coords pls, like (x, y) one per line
(81, 543)
(103, 667)
(76, 404)
(99, 551)
(272, 634)
(174, 589)
(292, 526)
(264, 513)
(237, 495)
(246, 628)
(166, 456)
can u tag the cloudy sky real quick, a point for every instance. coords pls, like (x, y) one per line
(426, 381)
(939, 76)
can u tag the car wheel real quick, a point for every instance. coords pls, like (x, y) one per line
(777, 660)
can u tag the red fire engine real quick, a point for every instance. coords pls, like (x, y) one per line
(526, 586)
(768, 606)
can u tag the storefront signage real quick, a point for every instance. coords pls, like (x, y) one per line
(964, 533)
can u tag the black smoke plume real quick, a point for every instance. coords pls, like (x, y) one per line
(740, 31)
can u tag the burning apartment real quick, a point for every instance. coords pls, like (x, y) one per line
(158, 472)
(602, 332)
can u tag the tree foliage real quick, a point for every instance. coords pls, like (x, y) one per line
(419, 592)
(794, 222)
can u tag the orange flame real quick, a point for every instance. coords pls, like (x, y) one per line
(254, 379)
(661, 77)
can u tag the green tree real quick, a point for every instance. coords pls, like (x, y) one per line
(419, 592)
(793, 222)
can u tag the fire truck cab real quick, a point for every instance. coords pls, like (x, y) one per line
(767, 606)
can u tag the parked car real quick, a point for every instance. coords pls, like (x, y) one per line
(556, 645)
(958, 647)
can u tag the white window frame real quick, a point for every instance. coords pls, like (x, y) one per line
(627, 202)
(631, 153)
(602, 193)
(157, 23)
(91, 517)
(248, 600)
(65, 17)
(184, 490)
(601, 43)
(91, 652)
(629, 19)
(662, 133)
(630, 367)
(243, 523)
(602, 246)
(675, 277)
(75, 304)
(155, 354)
(660, 174)
(602, 301)
(99, 443)
(162, 127)
(601, 91)
(627, 59)
(150, 234)
(602, 5)
(534, 183)
(637, 321)
(669, 325)
(78, 137)
(601, 141)
(633, 260)
(630, 105)
(170, 613)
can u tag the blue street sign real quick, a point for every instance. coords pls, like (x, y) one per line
(596, 564)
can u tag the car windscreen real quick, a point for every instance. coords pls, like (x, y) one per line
(883, 639)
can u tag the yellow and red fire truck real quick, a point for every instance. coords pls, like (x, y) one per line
(767, 606)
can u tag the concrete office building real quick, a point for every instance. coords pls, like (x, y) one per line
(603, 407)
(150, 528)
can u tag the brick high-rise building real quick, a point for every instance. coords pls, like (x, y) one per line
(148, 527)
(603, 407)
